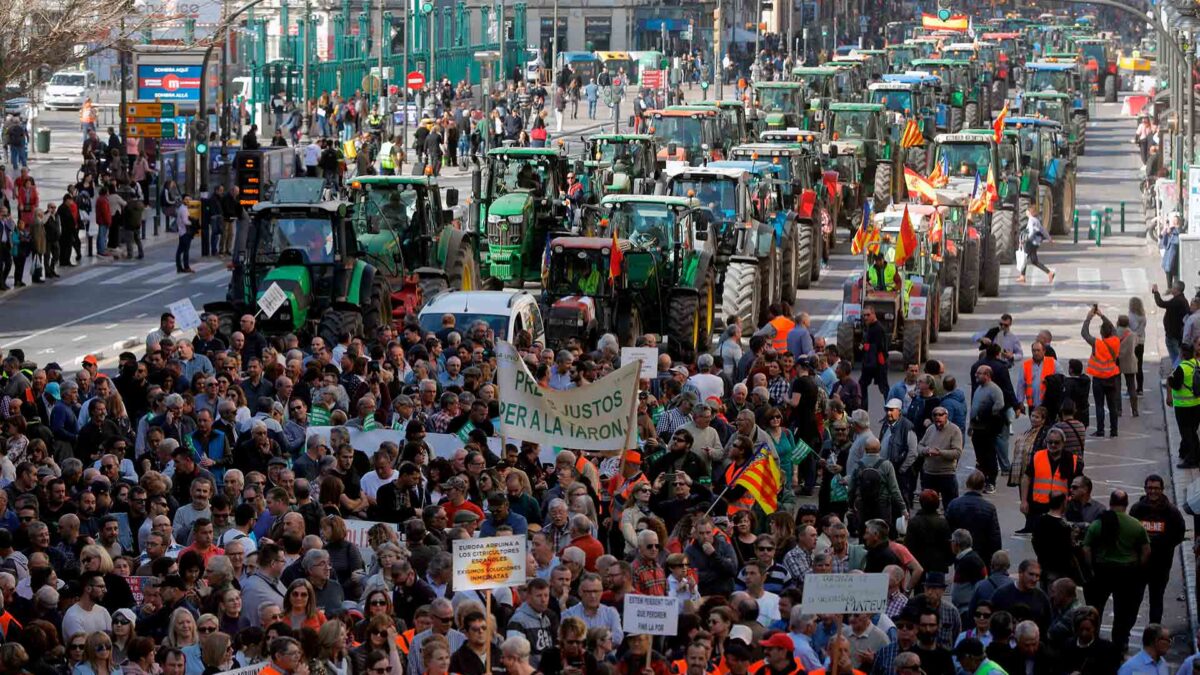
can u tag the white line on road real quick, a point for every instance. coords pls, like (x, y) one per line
(143, 314)
(86, 275)
(111, 326)
(221, 275)
(1089, 277)
(78, 338)
(106, 310)
(1136, 281)
(151, 269)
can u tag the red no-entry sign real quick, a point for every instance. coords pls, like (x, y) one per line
(415, 80)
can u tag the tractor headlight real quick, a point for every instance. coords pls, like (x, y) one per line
(516, 220)
(494, 219)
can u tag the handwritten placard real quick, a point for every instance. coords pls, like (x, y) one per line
(650, 615)
(845, 593)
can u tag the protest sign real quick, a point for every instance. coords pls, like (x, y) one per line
(650, 615)
(845, 593)
(185, 314)
(491, 562)
(648, 356)
(272, 299)
(135, 587)
(442, 445)
(246, 670)
(356, 533)
(597, 416)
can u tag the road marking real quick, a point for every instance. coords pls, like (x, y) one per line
(77, 279)
(89, 317)
(78, 338)
(221, 275)
(147, 270)
(1089, 278)
(1136, 281)
(143, 314)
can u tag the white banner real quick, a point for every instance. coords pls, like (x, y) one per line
(598, 416)
(443, 445)
(845, 593)
(491, 562)
(650, 615)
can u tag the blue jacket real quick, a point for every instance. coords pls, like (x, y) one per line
(64, 422)
(970, 511)
(955, 403)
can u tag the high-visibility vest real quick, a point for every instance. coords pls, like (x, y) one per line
(1048, 367)
(761, 666)
(745, 502)
(889, 276)
(385, 156)
(989, 667)
(822, 671)
(270, 669)
(7, 621)
(404, 640)
(1183, 396)
(1046, 483)
(622, 494)
(782, 326)
(1103, 361)
(679, 666)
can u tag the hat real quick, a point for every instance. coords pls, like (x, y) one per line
(127, 614)
(277, 461)
(633, 457)
(173, 581)
(54, 390)
(91, 359)
(779, 641)
(740, 632)
(463, 516)
(934, 579)
(680, 370)
(455, 482)
(53, 365)
(860, 418)
(894, 404)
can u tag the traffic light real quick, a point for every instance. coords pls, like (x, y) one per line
(200, 135)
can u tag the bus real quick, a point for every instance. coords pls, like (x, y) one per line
(614, 62)
(583, 63)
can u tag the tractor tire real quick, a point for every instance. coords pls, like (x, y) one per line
(914, 341)
(463, 272)
(227, 324)
(955, 123)
(741, 293)
(818, 253)
(933, 320)
(951, 278)
(916, 159)
(1066, 207)
(378, 311)
(1004, 237)
(431, 287)
(805, 260)
(971, 115)
(1110, 89)
(1045, 196)
(1022, 213)
(790, 268)
(968, 286)
(629, 327)
(946, 310)
(690, 319)
(883, 186)
(845, 341)
(768, 271)
(336, 322)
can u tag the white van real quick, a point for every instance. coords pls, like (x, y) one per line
(69, 88)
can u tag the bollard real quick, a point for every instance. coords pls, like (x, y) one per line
(1108, 212)
(91, 244)
(1075, 224)
(1122, 217)
(1096, 230)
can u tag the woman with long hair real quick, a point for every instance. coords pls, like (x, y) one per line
(784, 442)
(332, 652)
(15, 440)
(97, 657)
(216, 653)
(39, 455)
(720, 621)
(1137, 324)
(123, 632)
(783, 529)
(376, 633)
(744, 535)
(1031, 441)
(300, 606)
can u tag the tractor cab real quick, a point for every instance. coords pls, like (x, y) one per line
(966, 156)
(520, 206)
(823, 84)
(735, 119)
(778, 105)
(632, 160)
(900, 57)
(686, 136)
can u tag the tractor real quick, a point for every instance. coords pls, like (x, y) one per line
(900, 57)
(778, 105)
(748, 256)
(735, 119)
(666, 282)
(1100, 63)
(1009, 61)
(864, 132)
(686, 136)
(303, 251)
(1060, 77)
(906, 298)
(406, 231)
(1056, 106)
(961, 247)
(984, 58)
(959, 92)
(824, 85)
(630, 161)
(1047, 169)
(830, 192)
(520, 208)
(909, 97)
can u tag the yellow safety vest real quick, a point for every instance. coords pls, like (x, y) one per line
(1183, 396)
(385, 156)
(889, 276)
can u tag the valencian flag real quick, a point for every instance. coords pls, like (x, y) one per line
(978, 203)
(615, 258)
(762, 480)
(867, 236)
(941, 173)
(906, 243)
(998, 125)
(990, 191)
(919, 185)
(912, 136)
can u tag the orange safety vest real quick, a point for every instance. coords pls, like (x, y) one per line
(679, 666)
(822, 671)
(270, 669)
(6, 623)
(1046, 483)
(404, 640)
(1104, 365)
(761, 666)
(622, 494)
(1048, 368)
(782, 326)
(745, 502)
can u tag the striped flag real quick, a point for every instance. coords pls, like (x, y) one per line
(998, 125)
(912, 136)
(762, 480)
(801, 451)
(867, 235)
(906, 243)
(919, 185)
(941, 173)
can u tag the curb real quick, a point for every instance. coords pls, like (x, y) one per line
(1188, 559)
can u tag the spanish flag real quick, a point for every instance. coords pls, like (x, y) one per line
(912, 136)
(919, 185)
(762, 480)
(941, 173)
(615, 258)
(978, 202)
(906, 243)
(989, 191)
(998, 125)
(957, 22)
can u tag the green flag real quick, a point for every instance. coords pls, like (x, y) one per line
(801, 451)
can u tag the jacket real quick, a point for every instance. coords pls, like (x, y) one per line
(538, 629)
(259, 589)
(955, 403)
(1127, 359)
(1177, 310)
(874, 346)
(890, 501)
(949, 441)
(714, 573)
(971, 512)
(1164, 524)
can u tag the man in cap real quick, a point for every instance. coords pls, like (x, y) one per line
(467, 520)
(898, 438)
(455, 489)
(500, 516)
(778, 656)
(678, 415)
(946, 619)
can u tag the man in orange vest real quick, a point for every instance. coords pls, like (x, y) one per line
(779, 658)
(782, 323)
(1103, 368)
(1049, 472)
(1031, 378)
(286, 657)
(621, 486)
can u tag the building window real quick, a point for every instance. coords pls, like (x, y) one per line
(546, 37)
(597, 33)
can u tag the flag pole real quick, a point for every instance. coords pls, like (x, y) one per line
(633, 421)
(760, 452)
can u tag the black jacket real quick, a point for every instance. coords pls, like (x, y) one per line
(1163, 522)
(1177, 310)
(970, 511)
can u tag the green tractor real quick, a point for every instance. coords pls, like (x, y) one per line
(959, 91)
(666, 283)
(520, 207)
(778, 105)
(864, 131)
(1100, 63)
(961, 248)
(1053, 80)
(900, 57)
(1047, 169)
(908, 97)
(1056, 106)
(406, 231)
(734, 119)
(824, 85)
(630, 160)
(302, 261)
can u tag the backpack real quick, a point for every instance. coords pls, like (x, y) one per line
(869, 485)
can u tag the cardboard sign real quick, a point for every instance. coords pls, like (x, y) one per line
(650, 615)
(649, 357)
(186, 317)
(916, 308)
(845, 593)
(272, 299)
(135, 587)
(491, 562)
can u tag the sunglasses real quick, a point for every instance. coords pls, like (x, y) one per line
(103, 647)
(983, 615)
(379, 603)
(204, 630)
(78, 646)
(379, 633)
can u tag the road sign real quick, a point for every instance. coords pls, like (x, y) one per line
(371, 84)
(415, 80)
(151, 130)
(652, 79)
(150, 110)
(426, 7)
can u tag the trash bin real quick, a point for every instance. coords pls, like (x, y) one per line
(43, 140)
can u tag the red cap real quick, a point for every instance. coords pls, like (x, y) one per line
(90, 359)
(780, 641)
(633, 457)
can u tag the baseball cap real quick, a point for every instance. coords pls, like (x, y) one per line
(455, 482)
(779, 641)
(680, 370)
(54, 390)
(934, 579)
(53, 365)
(742, 633)
(894, 403)
(91, 359)
(277, 461)
(633, 457)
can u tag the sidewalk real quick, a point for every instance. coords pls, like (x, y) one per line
(1180, 480)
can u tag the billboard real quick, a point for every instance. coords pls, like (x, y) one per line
(163, 82)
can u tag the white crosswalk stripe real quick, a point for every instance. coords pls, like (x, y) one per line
(219, 277)
(1089, 279)
(1136, 281)
(139, 271)
(87, 275)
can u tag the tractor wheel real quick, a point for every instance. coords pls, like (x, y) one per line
(378, 311)
(989, 271)
(916, 160)
(845, 341)
(933, 320)
(946, 311)
(740, 295)
(768, 273)
(1066, 207)
(1022, 213)
(336, 322)
(629, 327)
(790, 272)
(956, 120)
(968, 287)
(914, 341)
(802, 252)
(227, 323)
(1004, 237)
(971, 115)
(1110, 89)
(883, 185)
(463, 273)
(431, 287)
(1045, 197)
(818, 253)
(690, 319)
